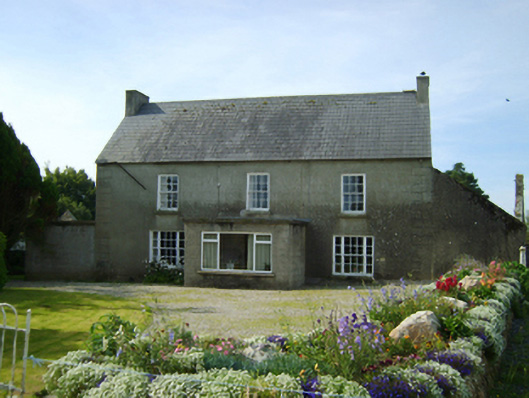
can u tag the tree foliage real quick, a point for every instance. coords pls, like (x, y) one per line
(76, 192)
(20, 186)
(465, 178)
(3, 268)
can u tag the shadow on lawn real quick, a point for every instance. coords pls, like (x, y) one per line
(23, 299)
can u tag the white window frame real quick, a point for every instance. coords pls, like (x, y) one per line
(343, 194)
(155, 243)
(368, 259)
(216, 240)
(163, 194)
(249, 193)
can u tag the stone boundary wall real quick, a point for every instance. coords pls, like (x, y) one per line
(465, 223)
(66, 253)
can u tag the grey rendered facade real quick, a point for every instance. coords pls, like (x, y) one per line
(268, 192)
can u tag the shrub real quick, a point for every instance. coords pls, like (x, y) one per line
(164, 273)
(60, 367)
(448, 379)
(123, 384)
(349, 344)
(77, 380)
(108, 334)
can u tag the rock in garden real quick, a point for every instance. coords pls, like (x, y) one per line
(419, 327)
(468, 282)
(259, 352)
(455, 303)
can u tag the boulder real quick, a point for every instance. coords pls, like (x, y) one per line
(419, 327)
(455, 303)
(468, 282)
(260, 352)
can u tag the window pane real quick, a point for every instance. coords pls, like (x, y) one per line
(168, 247)
(353, 193)
(168, 192)
(209, 255)
(262, 257)
(263, 238)
(353, 255)
(258, 191)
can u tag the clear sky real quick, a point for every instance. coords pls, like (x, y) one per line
(65, 66)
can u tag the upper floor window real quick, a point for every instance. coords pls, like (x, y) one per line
(258, 191)
(353, 193)
(168, 192)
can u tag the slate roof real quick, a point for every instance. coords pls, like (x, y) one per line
(337, 127)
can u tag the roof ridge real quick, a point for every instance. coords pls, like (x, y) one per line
(276, 97)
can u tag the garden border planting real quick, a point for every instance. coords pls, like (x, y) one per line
(439, 340)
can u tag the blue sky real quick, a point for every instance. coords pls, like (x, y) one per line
(65, 67)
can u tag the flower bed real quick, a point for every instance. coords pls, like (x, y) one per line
(433, 341)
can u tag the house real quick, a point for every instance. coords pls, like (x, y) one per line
(272, 192)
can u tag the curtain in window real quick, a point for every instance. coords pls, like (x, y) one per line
(250, 253)
(209, 253)
(262, 257)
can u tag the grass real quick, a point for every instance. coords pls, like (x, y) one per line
(60, 322)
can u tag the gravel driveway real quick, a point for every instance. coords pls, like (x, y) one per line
(221, 312)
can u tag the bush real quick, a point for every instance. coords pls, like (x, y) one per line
(108, 334)
(160, 272)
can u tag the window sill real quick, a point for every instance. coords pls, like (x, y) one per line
(167, 211)
(353, 215)
(256, 211)
(357, 275)
(237, 273)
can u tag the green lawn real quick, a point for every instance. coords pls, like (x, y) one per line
(59, 323)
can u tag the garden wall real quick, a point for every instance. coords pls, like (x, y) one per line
(65, 253)
(465, 223)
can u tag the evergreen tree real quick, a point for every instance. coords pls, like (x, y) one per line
(20, 184)
(459, 174)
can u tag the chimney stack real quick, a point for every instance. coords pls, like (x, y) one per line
(519, 208)
(133, 102)
(423, 84)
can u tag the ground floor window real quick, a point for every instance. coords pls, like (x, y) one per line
(167, 247)
(237, 251)
(353, 255)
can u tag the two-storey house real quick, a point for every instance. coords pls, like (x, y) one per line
(266, 192)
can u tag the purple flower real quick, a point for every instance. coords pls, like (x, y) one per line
(276, 339)
(103, 378)
(457, 360)
(402, 284)
(391, 386)
(310, 387)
